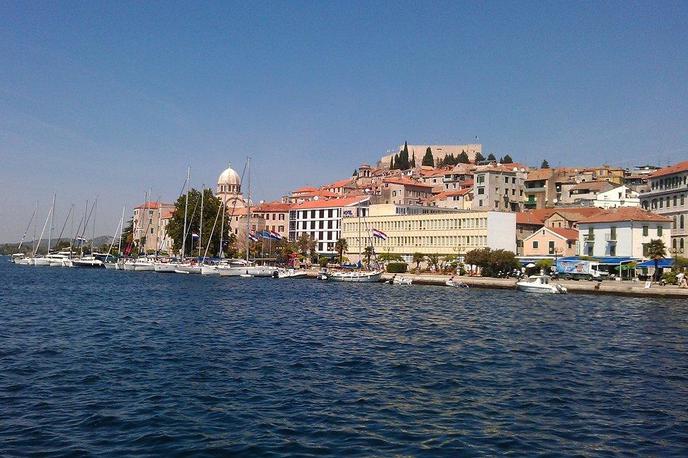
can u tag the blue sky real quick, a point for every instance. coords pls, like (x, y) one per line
(115, 98)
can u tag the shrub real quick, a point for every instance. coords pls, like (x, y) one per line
(323, 261)
(669, 277)
(397, 267)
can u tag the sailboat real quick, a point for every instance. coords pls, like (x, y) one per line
(89, 261)
(19, 257)
(42, 260)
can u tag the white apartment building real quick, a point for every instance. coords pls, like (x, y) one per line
(624, 231)
(621, 196)
(321, 220)
(668, 196)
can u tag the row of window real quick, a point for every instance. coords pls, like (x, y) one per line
(660, 202)
(445, 241)
(669, 183)
(321, 236)
(440, 224)
(314, 224)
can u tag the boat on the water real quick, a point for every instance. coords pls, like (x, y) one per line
(88, 262)
(165, 267)
(355, 276)
(290, 273)
(399, 280)
(60, 259)
(540, 284)
(455, 283)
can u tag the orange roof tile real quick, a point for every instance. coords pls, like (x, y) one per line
(339, 183)
(539, 174)
(569, 234)
(330, 203)
(305, 189)
(154, 205)
(676, 168)
(624, 214)
(404, 181)
(279, 207)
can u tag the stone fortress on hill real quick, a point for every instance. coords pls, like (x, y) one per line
(439, 152)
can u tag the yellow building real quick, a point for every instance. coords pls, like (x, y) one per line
(428, 230)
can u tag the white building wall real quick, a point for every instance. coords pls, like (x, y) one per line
(629, 237)
(501, 231)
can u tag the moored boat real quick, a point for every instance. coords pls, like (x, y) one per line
(355, 276)
(540, 284)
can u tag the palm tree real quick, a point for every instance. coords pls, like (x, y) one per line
(656, 250)
(418, 258)
(369, 251)
(341, 246)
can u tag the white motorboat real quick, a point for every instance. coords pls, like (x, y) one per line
(234, 268)
(209, 270)
(455, 283)
(188, 268)
(17, 257)
(355, 276)
(290, 273)
(23, 261)
(111, 265)
(88, 262)
(60, 259)
(165, 267)
(40, 261)
(398, 280)
(261, 271)
(540, 284)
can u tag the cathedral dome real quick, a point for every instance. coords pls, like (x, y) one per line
(229, 177)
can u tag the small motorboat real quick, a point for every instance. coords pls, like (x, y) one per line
(540, 284)
(356, 276)
(290, 273)
(455, 283)
(398, 280)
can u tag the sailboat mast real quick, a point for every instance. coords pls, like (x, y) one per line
(93, 239)
(186, 209)
(47, 218)
(121, 225)
(200, 224)
(28, 226)
(52, 222)
(248, 212)
(222, 226)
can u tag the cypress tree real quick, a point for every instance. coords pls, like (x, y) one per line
(479, 158)
(507, 160)
(391, 163)
(428, 159)
(413, 160)
(544, 165)
(463, 158)
(491, 157)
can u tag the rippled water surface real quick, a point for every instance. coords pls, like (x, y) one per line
(120, 363)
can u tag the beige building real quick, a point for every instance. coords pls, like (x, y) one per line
(149, 226)
(229, 189)
(402, 191)
(498, 188)
(551, 241)
(428, 230)
(438, 152)
(668, 196)
(461, 199)
(275, 215)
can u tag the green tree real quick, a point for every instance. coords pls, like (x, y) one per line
(491, 157)
(507, 160)
(211, 207)
(544, 165)
(478, 158)
(463, 158)
(368, 252)
(391, 163)
(656, 250)
(402, 163)
(340, 247)
(544, 265)
(389, 257)
(413, 161)
(418, 258)
(434, 261)
(306, 245)
(428, 160)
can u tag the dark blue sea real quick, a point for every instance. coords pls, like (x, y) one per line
(137, 363)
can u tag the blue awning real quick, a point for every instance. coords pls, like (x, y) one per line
(602, 260)
(664, 263)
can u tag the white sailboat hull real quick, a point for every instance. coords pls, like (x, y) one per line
(167, 268)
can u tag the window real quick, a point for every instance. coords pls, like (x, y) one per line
(551, 247)
(659, 231)
(612, 250)
(612, 234)
(646, 231)
(681, 222)
(535, 244)
(481, 191)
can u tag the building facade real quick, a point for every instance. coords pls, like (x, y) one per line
(149, 226)
(429, 231)
(668, 196)
(548, 241)
(623, 231)
(498, 188)
(321, 220)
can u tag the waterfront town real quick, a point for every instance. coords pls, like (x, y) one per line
(429, 205)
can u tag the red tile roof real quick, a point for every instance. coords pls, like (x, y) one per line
(568, 234)
(404, 181)
(154, 205)
(539, 215)
(539, 174)
(676, 168)
(624, 214)
(452, 193)
(277, 207)
(305, 189)
(339, 183)
(341, 202)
